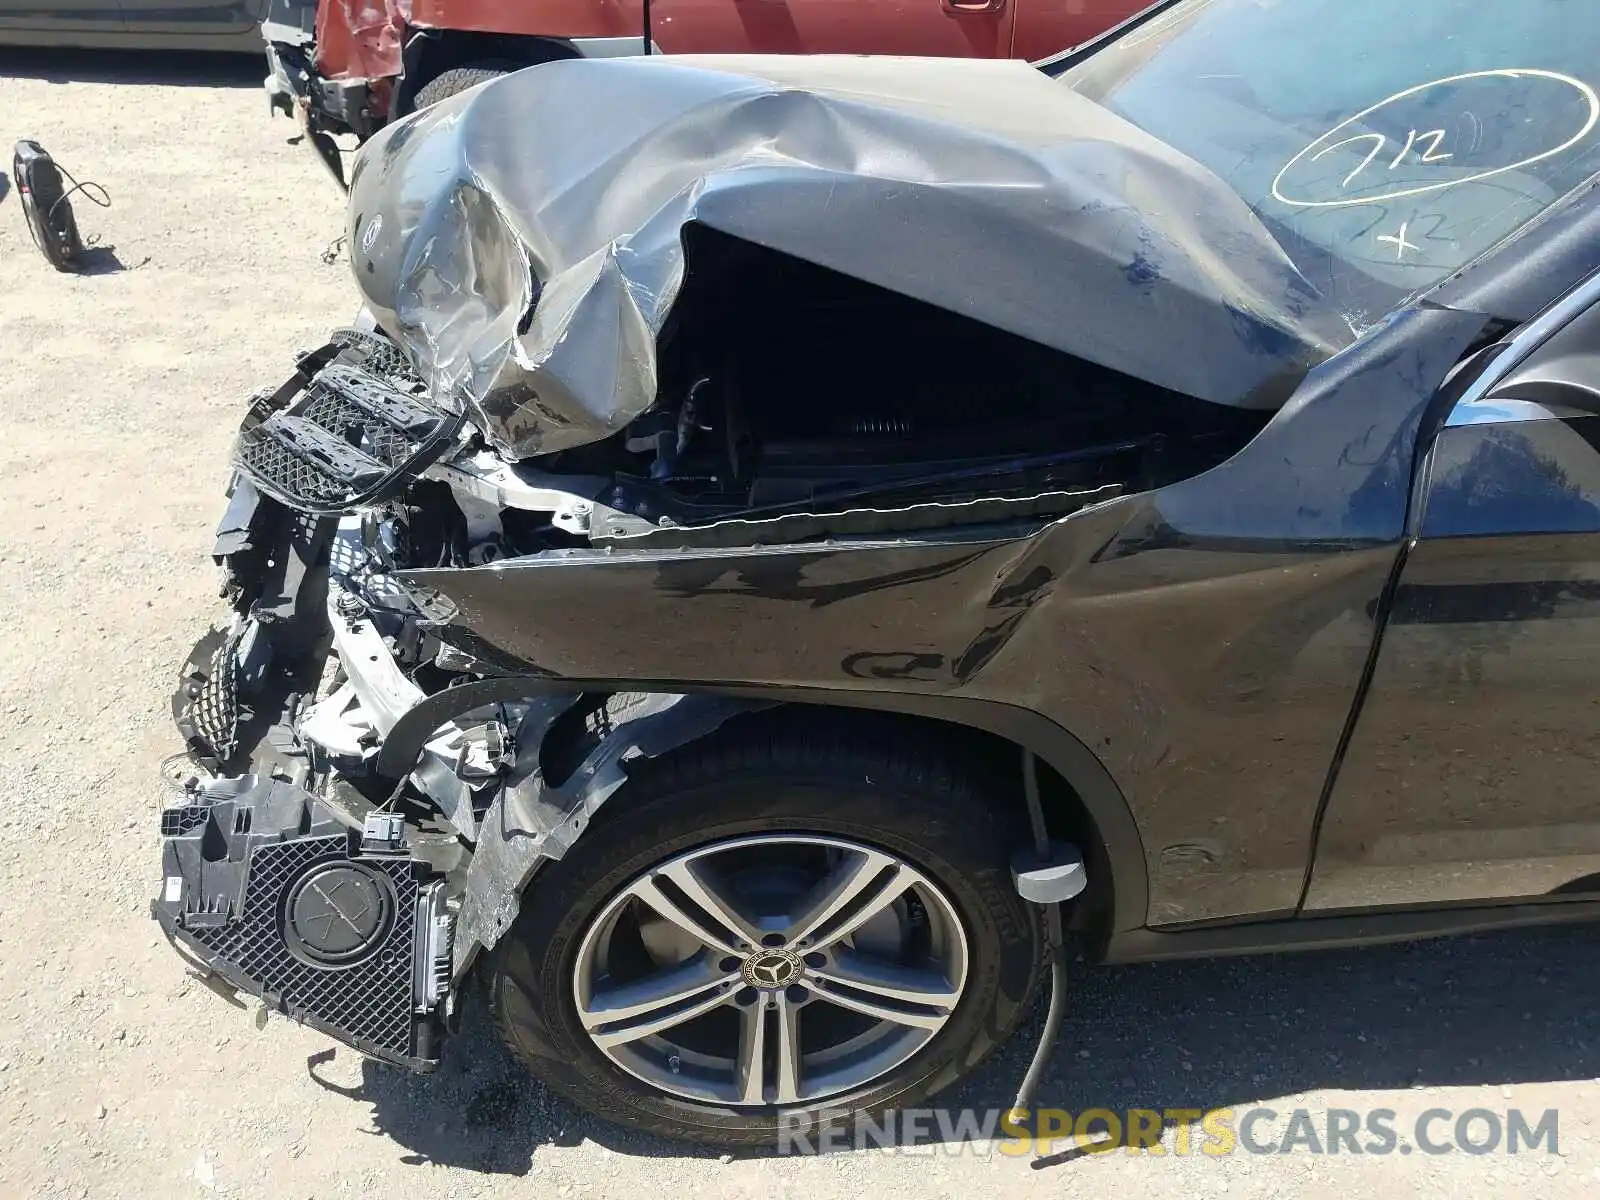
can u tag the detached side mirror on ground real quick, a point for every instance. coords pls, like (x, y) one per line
(45, 205)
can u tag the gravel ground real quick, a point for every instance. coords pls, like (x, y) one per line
(121, 1076)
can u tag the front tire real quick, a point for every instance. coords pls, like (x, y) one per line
(457, 80)
(830, 920)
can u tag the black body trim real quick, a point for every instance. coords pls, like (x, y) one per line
(1373, 928)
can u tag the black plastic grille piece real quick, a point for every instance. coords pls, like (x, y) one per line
(213, 704)
(176, 822)
(368, 1001)
(350, 439)
(294, 451)
(290, 474)
(331, 410)
(378, 355)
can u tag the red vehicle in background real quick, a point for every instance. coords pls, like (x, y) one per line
(351, 66)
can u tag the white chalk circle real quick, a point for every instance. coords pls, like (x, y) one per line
(1336, 136)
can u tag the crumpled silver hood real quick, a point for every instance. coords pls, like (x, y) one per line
(985, 188)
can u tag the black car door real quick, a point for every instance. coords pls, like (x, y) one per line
(1471, 772)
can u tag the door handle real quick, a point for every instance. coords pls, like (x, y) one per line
(967, 7)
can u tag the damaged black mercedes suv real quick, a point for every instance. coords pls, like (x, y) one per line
(781, 553)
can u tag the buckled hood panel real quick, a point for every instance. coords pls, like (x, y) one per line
(524, 240)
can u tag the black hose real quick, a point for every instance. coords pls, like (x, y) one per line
(1052, 1019)
(1056, 938)
(1030, 793)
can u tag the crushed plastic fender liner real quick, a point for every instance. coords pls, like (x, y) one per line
(530, 273)
(534, 820)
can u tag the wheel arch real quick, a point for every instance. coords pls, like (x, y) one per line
(429, 53)
(1083, 802)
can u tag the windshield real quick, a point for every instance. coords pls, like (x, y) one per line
(1385, 142)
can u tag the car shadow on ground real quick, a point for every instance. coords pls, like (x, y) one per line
(1491, 1010)
(164, 68)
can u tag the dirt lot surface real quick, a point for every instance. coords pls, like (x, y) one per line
(122, 1077)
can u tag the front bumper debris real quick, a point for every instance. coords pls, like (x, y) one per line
(279, 880)
(346, 431)
(266, 888)
(366, 783)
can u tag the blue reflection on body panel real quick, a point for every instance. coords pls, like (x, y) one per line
(1511, 480)
(1504, 412)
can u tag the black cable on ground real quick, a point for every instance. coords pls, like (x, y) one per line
(88, 188)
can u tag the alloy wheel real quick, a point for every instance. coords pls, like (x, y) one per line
(778, 969)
